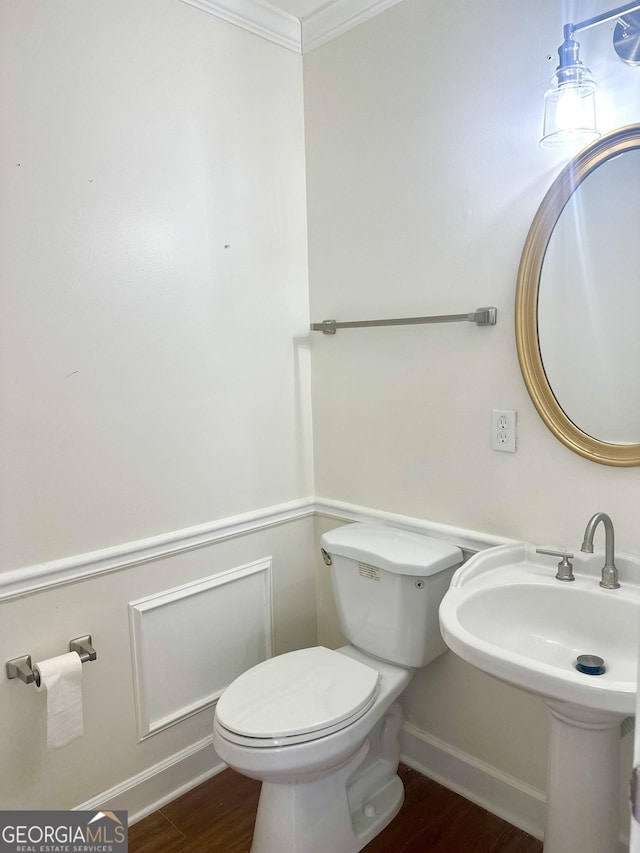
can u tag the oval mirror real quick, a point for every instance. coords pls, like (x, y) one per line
(578, 302)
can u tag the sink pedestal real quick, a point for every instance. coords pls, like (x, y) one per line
(582, 780)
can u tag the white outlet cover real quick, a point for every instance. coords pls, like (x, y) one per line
(503, 430)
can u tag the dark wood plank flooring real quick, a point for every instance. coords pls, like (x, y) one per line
(218, 817)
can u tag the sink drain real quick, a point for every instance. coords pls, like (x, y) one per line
(590, 664)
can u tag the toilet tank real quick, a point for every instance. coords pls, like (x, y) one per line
(388, 584)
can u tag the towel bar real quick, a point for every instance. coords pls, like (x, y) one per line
(22, 667)
(481, 316)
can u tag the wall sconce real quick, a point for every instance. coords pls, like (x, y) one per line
(570, 102)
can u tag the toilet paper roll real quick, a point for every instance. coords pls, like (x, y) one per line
(61, 678)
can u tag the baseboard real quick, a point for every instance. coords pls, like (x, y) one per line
(161, 784)
(503, 795)
(499, 793)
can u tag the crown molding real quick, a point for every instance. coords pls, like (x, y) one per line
(298, 35)
(256, 17)
(336, 18)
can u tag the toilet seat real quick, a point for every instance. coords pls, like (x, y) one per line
(296, 697)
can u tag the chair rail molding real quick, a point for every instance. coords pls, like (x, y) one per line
(15, 583)
(468, 540)
(31, 579)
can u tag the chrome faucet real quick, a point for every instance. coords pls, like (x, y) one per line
(609, 570)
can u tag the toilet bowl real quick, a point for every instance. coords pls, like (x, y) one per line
(307, 774)
(320, 728)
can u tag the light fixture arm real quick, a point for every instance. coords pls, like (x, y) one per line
(614, 14)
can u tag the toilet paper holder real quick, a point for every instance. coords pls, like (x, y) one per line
(22, 667)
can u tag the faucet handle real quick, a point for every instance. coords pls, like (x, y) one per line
(565, 566)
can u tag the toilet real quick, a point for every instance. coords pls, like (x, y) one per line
(321, 728)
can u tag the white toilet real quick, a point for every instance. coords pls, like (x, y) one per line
(321, 728)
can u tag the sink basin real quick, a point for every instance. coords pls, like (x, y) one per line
(506, 614)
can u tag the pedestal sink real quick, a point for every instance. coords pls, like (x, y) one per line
(506, 614)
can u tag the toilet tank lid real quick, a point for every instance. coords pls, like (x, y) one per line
(392, 549)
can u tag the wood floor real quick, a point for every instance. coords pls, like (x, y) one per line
(218, 817)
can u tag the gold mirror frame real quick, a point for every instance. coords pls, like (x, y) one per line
(535, 247)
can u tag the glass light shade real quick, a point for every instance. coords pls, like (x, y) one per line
(570, 108)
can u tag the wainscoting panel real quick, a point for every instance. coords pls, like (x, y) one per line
(190, 642)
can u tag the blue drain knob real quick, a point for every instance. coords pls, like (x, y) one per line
(590, 664)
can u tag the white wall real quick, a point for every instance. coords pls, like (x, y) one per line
(156, 219)
(423, 175)
(153, 246)
(154, 356)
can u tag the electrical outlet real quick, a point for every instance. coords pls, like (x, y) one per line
(503, 430)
